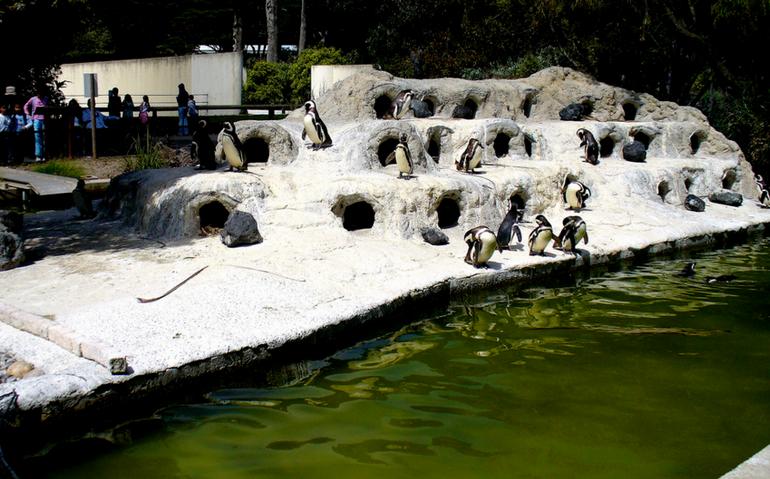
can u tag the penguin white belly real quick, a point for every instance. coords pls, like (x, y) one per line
(580, 234)
(573, 196)
(475, 159)
(232, 154)
(401, 161)
(488, 246)
(541, 240)
(311, 131)
(403, 109)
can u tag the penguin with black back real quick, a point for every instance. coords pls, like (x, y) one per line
(764, 194)
(688, 270)
(540, 236)
(82, 201)
(481, 243)
(575, 193)
(202, 148)
(573, 230)
(401, 104)
(402, 157)
(315, 128)
(590, 146)
(232, 148)
(509, 227)
(471, 157)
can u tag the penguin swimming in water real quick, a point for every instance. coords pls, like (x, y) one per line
(471, 157)
(540, 236)
(688, 270)
(591, 147)
(573, 230)
(315, 128)
(402, 157)
(481, 245)
(575, 194)
(509, 227)
(82, 201)
(202, 148)
(232, 148)
(401, 104)
(722, 278)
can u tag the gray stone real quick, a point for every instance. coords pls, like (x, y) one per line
(571, 112)
(464, 112)
(693, 203)
(240, 229)
(634, 151)
(11, 241)
(725, 197)
(434, 236)
(11, 221)
(421, 109)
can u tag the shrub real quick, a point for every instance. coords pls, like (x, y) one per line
(266, 83)
(148, 156)
(299, 71)
(60, 168)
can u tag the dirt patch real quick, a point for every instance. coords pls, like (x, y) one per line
(106, 167)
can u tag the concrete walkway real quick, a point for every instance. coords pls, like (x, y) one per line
(755, 467)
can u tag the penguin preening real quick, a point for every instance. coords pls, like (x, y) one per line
(401, 104)
(402, 157)
(540, 236)
(591, 147)
(202, 148)
(575, 193)
(82, 201)
(471, 157)
(232, 148)
(573, 230)
(481, 245)
(509, 227)
(315, 128)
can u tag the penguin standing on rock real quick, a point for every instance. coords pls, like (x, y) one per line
(82, 201)
(401, 104)
(573, 230)
(540, 236)
(202, 148)
(764, 194)
(575, 193)
(509, 227)
(481, 245)
(402, 157)
(315, 128)
(591, 147)
(232, 147)
(471, 157)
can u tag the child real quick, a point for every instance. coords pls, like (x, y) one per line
(20, 124)
(192, 113)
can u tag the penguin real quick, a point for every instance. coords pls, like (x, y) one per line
(202, 148)
(573, 230)
(509, 227)
(402, 157)
(471, 157)
(591, 147)
(232, 147)
(540, 236)
(481, 245)
(575, 194)
(722, 278)
(82, 201)
(401, 104)
(764, 194)
(315, 128)
(688, 270)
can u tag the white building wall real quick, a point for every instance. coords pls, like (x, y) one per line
(322, 77)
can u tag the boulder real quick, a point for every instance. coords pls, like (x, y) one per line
(421, 109)
(725, 197)
(693, 203)
(11, 241)
(463, 111)
(634, 151)
(240, 229)
(434, 236)
(571, 112)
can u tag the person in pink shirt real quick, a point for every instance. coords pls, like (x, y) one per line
(38, 123)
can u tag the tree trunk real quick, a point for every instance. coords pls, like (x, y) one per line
(271, 9)
(302, 29)
(237, 32)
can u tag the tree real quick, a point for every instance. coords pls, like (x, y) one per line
(302, 28)
(271, 11)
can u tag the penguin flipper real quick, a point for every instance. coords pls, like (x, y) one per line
(304, 134)
(476, 251)
(468, 254)
(409, 160)
(517, 232)
(585, 237)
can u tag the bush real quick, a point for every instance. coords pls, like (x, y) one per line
(148, 156)
(60, 168)
(267, 83)
(299, 71)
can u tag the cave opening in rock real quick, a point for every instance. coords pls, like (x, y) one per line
(382, 105)
(256, 150)
(663, 190)
(501, 144)
(729, 177)
(528, 145)
(519, 200)
(629, 111)
(431, 106)
(687, 183)
(448, 213)
(358, 216)
(386, 148)
(526, 106)
(212, 215)
(643, 138)
(434, 149)
(695, 141)
(606, 146)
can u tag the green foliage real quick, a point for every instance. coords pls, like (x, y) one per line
(299, 71)
(60, 168)
(267, 83)
(148, 156)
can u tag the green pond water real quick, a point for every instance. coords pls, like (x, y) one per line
(633, 372)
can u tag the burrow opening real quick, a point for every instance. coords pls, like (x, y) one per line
(358, 216)
(256, 150)
(687, 183)
(448, 211)
(382, 105)
(213, 215)
(502, 144)
(695, 141)
(606, 146)
(386, 148)
(431, 106)
(528, 145)
(728, 179)
(467, 110)
(663, 190)
(434, 149)
(526, 106)
(629, 111)
(643, 138)
(519, 200)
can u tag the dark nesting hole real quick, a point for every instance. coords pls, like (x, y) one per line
(528, 145)
(385, 149)
(434, 149)
(382, 105)
(588, 107)
(643, 138)
(695, 141)
(471, 106)
(728, 179)
(519, 201)
(256, 150)
(687, 183)
(606, 146)
(501, 145)
(629, 111)
(213, 215)
(663, 190)
(526, 106)
(358, 216)
(448, 213)
(431, 107)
